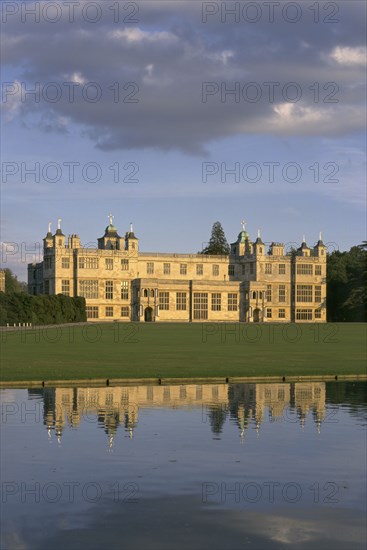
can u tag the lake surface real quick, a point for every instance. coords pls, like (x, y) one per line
(216, 466)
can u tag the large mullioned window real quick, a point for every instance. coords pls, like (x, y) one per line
(304, 269)
(65, 287)
(164, 301)
(304, 293)
(124, 290)
(109, 264)
(304, 314)
(109, 290)
(281, 296)
(318, 293)
(125, 311)
(88, 288)
(232, 301)
(200, 305)
(216, 301)
(92, 312)
(88, 263)
(181, 301)
(268, 293)
(109, 311)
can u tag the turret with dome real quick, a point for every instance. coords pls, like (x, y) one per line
(243, 245)
(111, 240)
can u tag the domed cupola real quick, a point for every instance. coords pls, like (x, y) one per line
(111, 239)
(242, 245)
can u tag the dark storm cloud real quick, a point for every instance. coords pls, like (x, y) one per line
(169, 54)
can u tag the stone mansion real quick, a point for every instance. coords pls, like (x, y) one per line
(254, 283)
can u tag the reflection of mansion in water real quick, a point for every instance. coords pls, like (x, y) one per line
(254, 282)
(244, 404)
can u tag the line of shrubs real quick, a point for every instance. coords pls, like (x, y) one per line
(41, 310)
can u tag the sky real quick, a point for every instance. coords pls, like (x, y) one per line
(175, 114)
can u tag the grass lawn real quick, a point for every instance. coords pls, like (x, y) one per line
(118, 350)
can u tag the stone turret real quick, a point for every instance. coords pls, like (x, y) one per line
(48, 241)
(259, 246)
(131, 241)
(303, 250)
(319, 249)
(59, 237)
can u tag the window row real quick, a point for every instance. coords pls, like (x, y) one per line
(150, 269)
(268, 294)
(304, 293)
(93, 311)
(270, 268)
(281, 293)
(307, 269)
(281, 313)
(301, 314)
(200, 302)
(307, 314)
(89, 288)
(93, 263)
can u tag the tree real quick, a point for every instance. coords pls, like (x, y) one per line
(347, 284)
(217, 418)
(292, 252)
(12, 284)
(218, 244)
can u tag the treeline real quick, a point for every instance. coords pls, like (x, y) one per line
(346, 281)
(41, 310)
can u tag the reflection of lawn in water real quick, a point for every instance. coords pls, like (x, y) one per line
(118, 350)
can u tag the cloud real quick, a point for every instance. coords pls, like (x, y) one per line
(162, 65)
(11, 101)
(349, 56)
(137, 35)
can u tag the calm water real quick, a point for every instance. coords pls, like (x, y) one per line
(192, 466)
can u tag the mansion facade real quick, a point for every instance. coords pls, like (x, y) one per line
(254, 283)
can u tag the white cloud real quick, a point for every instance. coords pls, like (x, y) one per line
(349, 56)
(136, 35)
(11, 100)
(223, 56)
(77, 78)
